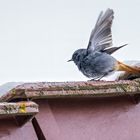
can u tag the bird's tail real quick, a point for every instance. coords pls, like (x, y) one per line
(123, 67)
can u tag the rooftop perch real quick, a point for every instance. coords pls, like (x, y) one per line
(54, 117)
(73, 89)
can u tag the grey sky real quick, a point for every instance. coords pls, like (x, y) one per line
(37, 37)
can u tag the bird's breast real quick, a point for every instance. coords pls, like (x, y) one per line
(96, 64)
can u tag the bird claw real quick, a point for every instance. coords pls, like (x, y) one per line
(94, 80)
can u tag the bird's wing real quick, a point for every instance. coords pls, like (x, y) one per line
(101, 36)
(113, 49)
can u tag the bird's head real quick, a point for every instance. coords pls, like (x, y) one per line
(78, 55)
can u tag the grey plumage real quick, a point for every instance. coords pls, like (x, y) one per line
(113, 49)
(96, 61)
(101, 36)
(95, 64)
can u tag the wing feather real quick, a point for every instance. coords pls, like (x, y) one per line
(101, 36)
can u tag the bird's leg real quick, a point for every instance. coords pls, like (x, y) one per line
(93, 80)
(97, 79)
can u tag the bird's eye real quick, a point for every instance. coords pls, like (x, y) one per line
(78, 57)
(74, 56)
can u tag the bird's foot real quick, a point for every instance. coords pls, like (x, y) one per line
(96, 80)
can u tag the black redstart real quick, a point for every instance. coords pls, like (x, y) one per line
(96, 61)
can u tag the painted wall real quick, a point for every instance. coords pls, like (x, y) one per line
(9, 130)
(79, 119)
(89, 119)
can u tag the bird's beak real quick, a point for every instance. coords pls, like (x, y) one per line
(69, 60)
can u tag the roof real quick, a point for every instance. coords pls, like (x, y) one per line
(19, 108)
(72, 89)
(19, 111)
(10, 105)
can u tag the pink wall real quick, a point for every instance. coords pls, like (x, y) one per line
(79, 119)
(10, 131)
(89, 119)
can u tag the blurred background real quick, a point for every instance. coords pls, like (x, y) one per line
(37, 37)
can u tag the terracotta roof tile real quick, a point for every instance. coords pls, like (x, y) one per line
(18, 108)
(73, 89)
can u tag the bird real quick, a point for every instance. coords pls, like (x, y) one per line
(96, 61)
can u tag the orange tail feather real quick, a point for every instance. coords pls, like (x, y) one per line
(123, 67)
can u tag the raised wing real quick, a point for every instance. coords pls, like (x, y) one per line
(101, 36)
(113, 49)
